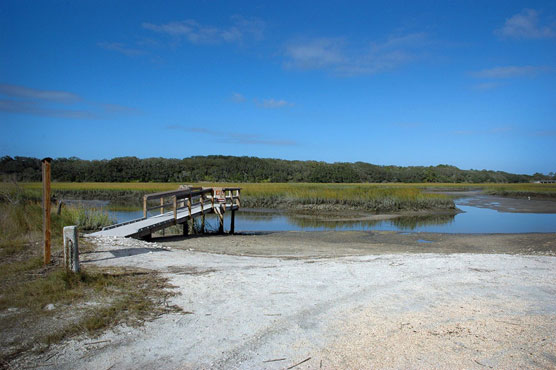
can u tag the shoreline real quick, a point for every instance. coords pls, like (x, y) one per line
(332, 244)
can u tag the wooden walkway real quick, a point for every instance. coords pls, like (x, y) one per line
(185, 205)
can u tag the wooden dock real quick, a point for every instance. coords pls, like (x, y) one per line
(185, 205)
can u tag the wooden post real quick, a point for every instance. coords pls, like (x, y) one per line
(175, 199)
(144, 206)
(233, 222)
(46, 208)
(189, 205)
(59, 207)
(186, 228)
(71, 248)
(221, 220)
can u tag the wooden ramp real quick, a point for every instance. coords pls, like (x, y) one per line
(186, 204)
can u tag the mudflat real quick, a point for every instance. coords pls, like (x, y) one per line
(328, 244)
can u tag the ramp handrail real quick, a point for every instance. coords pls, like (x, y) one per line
(185, 197)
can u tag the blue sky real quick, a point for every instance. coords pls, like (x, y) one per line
(466, 83)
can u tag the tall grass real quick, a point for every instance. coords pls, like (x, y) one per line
(88, 218)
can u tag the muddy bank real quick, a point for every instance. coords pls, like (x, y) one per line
(326, 244)
(513, 205)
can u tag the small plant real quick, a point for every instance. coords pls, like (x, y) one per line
(88, 218)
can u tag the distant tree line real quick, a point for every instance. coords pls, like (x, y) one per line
(244, 169)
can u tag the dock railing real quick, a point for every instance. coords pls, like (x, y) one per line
(191, 197)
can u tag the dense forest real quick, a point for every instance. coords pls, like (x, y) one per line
(244, 169)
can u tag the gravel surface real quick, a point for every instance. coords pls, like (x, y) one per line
(364, 310)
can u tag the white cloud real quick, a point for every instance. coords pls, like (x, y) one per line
(314, 54)
(196, 33)
(273, 103)
(120, 48)
(335, 55)
(525, 25)
(508, 71)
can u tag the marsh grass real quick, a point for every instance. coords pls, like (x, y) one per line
(370, 197)
(522, 190)
(87, 219)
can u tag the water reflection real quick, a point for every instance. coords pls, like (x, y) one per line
(472, 220)
(402, 223)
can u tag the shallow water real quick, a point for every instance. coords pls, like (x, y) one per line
(473, 220)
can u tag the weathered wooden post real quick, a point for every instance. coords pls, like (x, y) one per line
(144, 206)
(46, 208)
(71, 248)
(162, 211)
(220, 219)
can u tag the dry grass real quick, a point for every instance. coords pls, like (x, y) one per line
(84, 303)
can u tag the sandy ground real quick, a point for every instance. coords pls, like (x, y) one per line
(374, 301)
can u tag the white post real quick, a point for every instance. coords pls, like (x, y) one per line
(71, 248)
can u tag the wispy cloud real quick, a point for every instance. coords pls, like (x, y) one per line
(491, 131)
(526, 25)
(35, 109)
(241, 29)
(407, 125)
(545, 133)
(232, 137)
(120, 48)
(49, 95)
(269, 103)
(509, 71)
(338, 57)
(487, 85)
(237, 97)
(273, 103)
(55, 103)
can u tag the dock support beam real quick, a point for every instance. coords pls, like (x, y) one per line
(186, 228)
(233, 222)
(221, 223)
